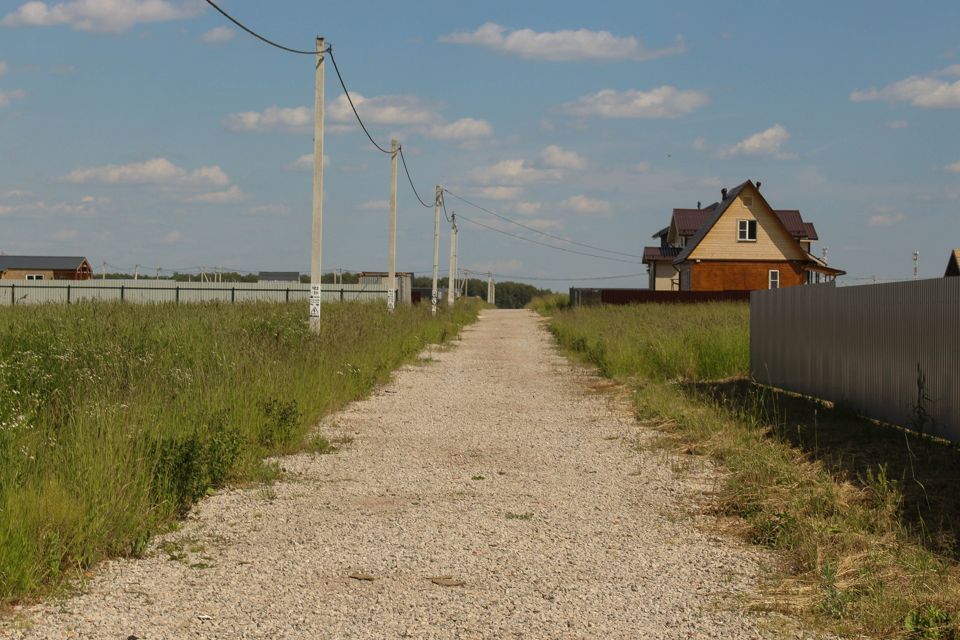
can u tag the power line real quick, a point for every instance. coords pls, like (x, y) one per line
(554, 279)
(549, 235)
(353, 106)
(544, 244)
(443, 201)
(257, 35)
(410, 180)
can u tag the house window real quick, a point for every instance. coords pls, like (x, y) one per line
(747, 230)
(34, 276)
(683, 241)
(774, 279)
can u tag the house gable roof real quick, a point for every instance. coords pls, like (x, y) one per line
(722, 207)
(953, 264)
(47, 263)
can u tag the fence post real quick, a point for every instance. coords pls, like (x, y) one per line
(178, 294)
(287, 298)
(233, 295)
(68, 294)
(123, 288)
(13, 295)
(341, 294)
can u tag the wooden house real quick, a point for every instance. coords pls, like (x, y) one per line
(45, 268)
(738, 244)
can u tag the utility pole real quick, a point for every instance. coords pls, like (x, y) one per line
(136, 272)
(103, 276)
(489, 288)
(392, 253)
(436, 248)
(452, 277)
(316, 236)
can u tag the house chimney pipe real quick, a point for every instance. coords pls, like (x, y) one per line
(758, 185)
(723, 192)
(698, 205)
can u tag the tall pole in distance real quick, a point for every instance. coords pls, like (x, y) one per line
(392, 266)
(316, 252)
(489, 288)
(451, 286)
(436, 248)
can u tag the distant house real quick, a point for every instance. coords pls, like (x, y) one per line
(379, 279)
(738, 244)
(953, 264)
(278, 276)
(45, 268)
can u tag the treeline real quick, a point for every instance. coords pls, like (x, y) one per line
(509, 295)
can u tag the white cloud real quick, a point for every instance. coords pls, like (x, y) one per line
(13, 193)
(3, 68)
(952, 168)
(699, 144)
(499, 193)
(64, 235)
(374, 205)
(898, 124)
(270, 210)
(585, 205)
(6, 97)
(107, 16)
(919, 91)
(219, 35)
(173, 237)
(86, 206)
(462, 129)
(513, 172)
(156, 171)
(763, 144)
(885, 219)
(286, 119)
(527, 208)
(662, 102)
(641, 167)
(389, 110)
(233, 194)
(560, 46)
(305, 163)
(557, 157)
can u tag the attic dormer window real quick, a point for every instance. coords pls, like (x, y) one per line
(747, 230)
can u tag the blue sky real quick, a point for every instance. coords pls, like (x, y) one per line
(151, 132)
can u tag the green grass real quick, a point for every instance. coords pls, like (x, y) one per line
(115, 419)
(865, 515)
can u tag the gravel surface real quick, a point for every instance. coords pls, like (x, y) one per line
(493, 492)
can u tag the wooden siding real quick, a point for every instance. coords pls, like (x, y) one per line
(21, 274)
(735, 275)
(773, 241)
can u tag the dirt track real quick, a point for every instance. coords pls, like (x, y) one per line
(497, 467)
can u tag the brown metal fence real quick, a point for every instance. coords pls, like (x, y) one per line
(582, 296)
(887, 351)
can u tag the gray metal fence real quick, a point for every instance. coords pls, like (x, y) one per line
(160, 291)
(865, 347)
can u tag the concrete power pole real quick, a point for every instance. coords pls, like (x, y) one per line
(452, 278)
(316, 236)
(436, 248)
(489, 288)
(392, 253)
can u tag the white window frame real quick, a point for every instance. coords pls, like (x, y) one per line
(743, 230)
(33, 276)
(771, 279)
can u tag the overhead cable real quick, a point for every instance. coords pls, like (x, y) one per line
(410, 180)
(544, 244)
(257, 35)
(544, 233)
(353, 106)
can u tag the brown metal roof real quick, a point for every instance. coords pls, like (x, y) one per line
(52, 263)
(811, 231)
(714, 215)
(655, 254)
(689, 221)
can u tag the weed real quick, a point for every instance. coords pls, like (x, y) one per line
(477, 478)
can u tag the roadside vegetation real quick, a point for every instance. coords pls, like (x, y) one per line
(115, 419)
(867, 515)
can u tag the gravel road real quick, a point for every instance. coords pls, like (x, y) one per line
(494, 491)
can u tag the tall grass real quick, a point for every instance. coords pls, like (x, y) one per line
(859, 560)
(114, 419)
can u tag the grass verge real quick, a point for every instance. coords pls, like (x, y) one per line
(115, 419)
(866, 515)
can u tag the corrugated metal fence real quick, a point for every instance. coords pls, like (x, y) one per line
(865, 347)
(158, 291)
